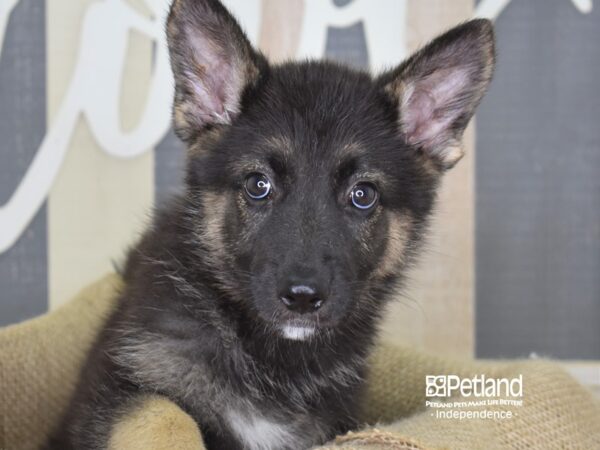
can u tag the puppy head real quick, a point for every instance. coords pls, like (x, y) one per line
(309, 184)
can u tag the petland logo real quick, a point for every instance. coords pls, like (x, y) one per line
(478, 386)
(456, 398)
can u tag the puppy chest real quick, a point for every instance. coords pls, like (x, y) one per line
(258, 432)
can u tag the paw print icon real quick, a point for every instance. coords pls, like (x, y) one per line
(435, 386)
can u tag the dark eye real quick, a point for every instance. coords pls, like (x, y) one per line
(364, 196)
(257, 186)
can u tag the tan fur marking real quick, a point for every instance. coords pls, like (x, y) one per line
(366, 230)
(349, 150)
(179, 116)
(399, 227)
(206, 140)
(252, 72)
(374, 176)
(176, 6)
(242, 206)
(452, 153)
(172, 30)
(280, 142)
(429, 167)
(246, 167)
(155, 423)
(215, 206)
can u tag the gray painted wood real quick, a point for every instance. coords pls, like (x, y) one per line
(538, 186)
(169, 168)
(348, 46)
(23, 274)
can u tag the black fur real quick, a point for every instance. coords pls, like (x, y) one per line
(200, 319)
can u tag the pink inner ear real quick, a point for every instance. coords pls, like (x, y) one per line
(216, 82)
(207, 102)
(429, 108)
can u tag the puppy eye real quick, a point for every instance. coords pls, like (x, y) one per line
(364, 196)
(257, 186)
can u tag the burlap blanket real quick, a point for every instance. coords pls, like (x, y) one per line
(40, 359)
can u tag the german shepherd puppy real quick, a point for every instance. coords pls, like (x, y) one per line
(253, 299)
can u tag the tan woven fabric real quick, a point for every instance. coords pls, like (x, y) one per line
(156, 423)
(40, 359)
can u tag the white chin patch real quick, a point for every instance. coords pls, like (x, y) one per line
(297, 333)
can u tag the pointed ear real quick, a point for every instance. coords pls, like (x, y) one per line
(213, 64)
(438, 88)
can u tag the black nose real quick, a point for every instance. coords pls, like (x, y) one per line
(302, 298)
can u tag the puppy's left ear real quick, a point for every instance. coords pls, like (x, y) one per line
(438, 88)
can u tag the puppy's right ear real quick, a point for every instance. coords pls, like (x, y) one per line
(213, 64)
